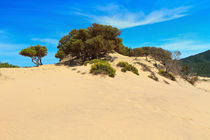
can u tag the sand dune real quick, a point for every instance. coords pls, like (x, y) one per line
(63, 103)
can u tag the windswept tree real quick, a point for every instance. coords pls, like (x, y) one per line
(35, 53)
(91, 43)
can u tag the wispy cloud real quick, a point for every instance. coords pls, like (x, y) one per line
(8, 46)
(122, 18)
(187, 47)
(46, 40)
(108, 8)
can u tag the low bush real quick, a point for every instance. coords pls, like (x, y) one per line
(94, 61)
(167, 74)
(6, 65)
(127, 67)
(153, 76)
(102, 67)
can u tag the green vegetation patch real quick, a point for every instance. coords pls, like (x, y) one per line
(7, 65)
(102, 67)
(94, 61)
(93, 42)
(127, 67)
(167, 74)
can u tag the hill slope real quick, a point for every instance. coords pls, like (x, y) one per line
(199, 64)
(62, 103)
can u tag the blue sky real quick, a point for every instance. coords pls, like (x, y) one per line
(172, 25)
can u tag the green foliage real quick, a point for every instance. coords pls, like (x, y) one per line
(35, 53)
(127, 67)
(6, 65)
(124, 50)
(158, 54)
(199, 64)
(60, 54)
(102, 67)
(167, 74)
(94, 61)
(86, 44)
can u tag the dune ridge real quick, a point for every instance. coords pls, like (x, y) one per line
(61, 103)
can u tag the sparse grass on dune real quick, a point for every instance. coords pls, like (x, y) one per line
(167, 74)
(153, 76)
(144, 66)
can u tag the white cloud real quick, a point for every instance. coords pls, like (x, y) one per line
(46, 40)
(187, 47)
(120, 17)
(7, 46)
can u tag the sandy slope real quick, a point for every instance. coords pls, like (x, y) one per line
(64, 103)
(204, 83)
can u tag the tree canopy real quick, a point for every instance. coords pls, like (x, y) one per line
(35, 53)
(91, 43)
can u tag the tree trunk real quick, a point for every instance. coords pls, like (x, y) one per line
(35, 61)
(40, 61)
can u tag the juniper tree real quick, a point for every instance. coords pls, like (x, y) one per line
(35, 53)
(91, 43)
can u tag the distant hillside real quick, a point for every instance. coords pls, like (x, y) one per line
(7, 65)
(199, 63)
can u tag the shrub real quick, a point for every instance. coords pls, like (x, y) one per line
(6, 65)
(94, 61)
(35, 53)
(153, 76)
(167, 74)
(102, 67)
(158, 54)
(124, 50)
(127, 67)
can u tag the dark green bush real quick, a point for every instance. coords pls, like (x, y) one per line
(102, 67)
(93, 42)
(127, 67)
(167, 74)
